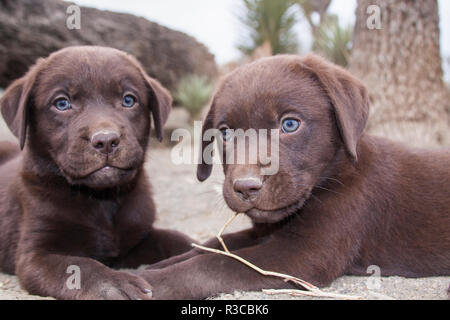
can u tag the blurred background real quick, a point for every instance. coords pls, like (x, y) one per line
(189, 45)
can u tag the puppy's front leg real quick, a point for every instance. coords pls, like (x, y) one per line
(160, 244)
(162, 248)
(209, 274)
(234, 241)
(48, 274)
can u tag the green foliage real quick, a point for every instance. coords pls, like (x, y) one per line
(193, 93)
(269, 20)
(311, 7)
(334, 41)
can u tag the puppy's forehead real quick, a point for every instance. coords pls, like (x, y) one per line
(264, 90)
(89, 68)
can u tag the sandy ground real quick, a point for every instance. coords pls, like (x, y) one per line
(198, 209)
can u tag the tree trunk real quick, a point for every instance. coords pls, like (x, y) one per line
(402, 68)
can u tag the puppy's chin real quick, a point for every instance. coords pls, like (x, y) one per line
(274, 216)
(105, 178)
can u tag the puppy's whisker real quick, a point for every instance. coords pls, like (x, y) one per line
(317, 199)
(320, 187)
(215, 190)
(333, 179)
(311, 167)
(323, 188)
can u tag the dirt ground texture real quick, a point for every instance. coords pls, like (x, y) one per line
(199, 210)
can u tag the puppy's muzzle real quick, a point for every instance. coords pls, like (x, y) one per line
(247, 188)
(105, 142)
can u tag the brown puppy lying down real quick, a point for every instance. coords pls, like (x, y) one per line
(77, 197)
(341, 201)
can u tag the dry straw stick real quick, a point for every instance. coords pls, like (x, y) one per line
(219, 235)
(311, 290)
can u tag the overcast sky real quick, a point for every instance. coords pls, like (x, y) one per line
(214, 22)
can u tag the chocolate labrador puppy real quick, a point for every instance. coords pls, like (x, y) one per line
(77, 200)
(341, 200)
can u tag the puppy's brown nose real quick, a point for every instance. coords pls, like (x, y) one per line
(105, 142)
(247, 188)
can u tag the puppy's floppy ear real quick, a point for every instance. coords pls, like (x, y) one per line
(15, 103)
(160, 100)
(161, 104)
(204, 169)
(349, 99)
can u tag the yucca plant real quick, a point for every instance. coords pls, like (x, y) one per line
(314, 7)
(269, 21)
(193, 93)
(334, 41)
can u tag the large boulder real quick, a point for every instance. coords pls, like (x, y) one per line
(30, 29)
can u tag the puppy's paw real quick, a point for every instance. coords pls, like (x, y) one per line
(163, 285)
(119, 285)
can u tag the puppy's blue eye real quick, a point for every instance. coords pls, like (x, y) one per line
(226, 134)
(290, 125)
(128, 101)
(62, 104)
